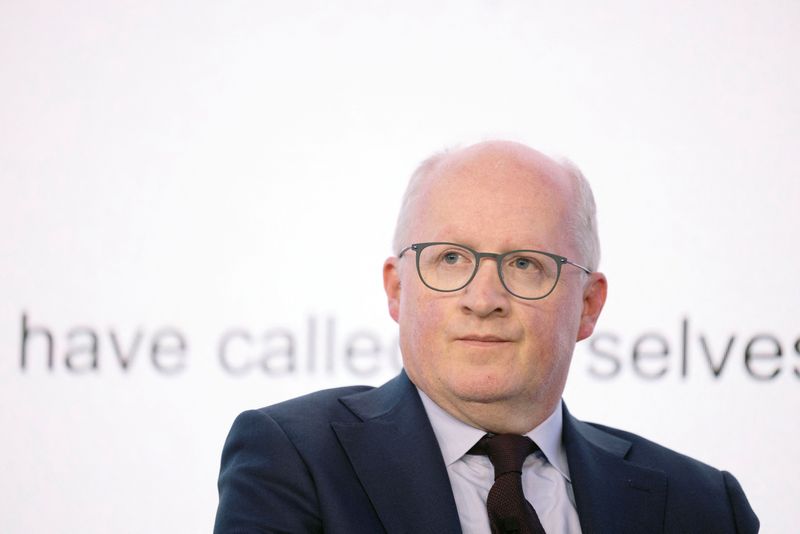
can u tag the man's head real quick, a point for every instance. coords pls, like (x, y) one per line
(492, 359)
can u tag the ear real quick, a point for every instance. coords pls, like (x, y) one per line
(594, 296)
(391, 284)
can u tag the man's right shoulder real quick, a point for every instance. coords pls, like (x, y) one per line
(307, 411)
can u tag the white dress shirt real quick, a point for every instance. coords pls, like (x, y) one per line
(545, 474)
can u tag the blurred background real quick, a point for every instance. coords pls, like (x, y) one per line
(197, 197)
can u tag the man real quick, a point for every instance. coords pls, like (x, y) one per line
(492, 285)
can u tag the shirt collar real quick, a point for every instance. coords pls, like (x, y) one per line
(456, 437)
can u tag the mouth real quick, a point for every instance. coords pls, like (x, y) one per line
(483, 341)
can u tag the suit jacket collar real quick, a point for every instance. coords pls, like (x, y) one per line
(611, 493)
(395, 455)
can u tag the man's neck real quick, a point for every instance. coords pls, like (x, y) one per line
(500, 417)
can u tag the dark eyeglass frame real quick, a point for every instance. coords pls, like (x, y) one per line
(560, 260)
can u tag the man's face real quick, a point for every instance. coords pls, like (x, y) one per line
(481, 344)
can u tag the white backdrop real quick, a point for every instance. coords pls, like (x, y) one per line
(197, 198)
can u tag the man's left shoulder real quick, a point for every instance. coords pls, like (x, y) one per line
(648, 453)
(691, 485)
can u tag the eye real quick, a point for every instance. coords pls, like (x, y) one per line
(522, 263)
(527, 264)
(452, 257)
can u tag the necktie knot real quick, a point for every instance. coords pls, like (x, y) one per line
(507, 452)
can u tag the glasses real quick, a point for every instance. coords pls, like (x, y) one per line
(527, 274)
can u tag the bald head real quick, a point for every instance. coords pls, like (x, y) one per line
(491, 165)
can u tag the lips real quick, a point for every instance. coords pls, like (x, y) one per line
(483, 339)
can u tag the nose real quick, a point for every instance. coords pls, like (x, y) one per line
(485, 295)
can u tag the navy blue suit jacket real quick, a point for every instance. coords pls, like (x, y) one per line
(365, 460)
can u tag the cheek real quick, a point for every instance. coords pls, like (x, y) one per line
(565, 332)
(423, 323)
(567, 308)
(552, 330)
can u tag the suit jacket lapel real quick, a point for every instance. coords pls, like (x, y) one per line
(396, 457)
(611, 493)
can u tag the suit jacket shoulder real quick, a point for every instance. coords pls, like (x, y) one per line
(626, 483)
(346, 460)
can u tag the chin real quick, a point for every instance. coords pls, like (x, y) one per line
(485, 388)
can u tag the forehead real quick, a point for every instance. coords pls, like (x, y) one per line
(494, 196)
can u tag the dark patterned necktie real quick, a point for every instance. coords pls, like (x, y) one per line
(509, 512)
